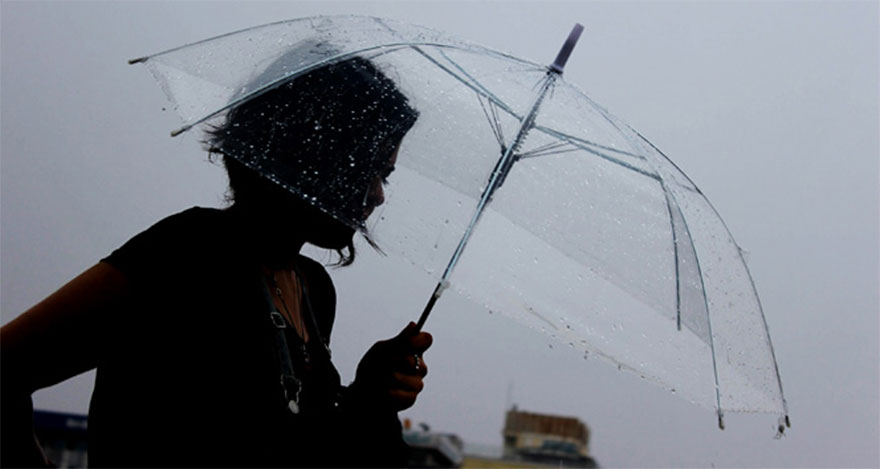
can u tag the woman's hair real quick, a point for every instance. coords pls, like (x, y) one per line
(324, 136)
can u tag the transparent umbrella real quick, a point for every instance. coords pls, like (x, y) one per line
(520, 192)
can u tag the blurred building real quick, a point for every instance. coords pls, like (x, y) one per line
(432, 449)
(546, 440)
(64, 437)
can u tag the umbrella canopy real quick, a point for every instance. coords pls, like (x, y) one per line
(573, 223)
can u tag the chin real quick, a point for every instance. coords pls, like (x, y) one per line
(338, 238)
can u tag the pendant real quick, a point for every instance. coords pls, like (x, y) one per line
(293, 406)
(292, 387)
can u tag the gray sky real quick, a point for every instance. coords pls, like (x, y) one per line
(771, 108)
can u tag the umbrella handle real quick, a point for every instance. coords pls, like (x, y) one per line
(567, 47)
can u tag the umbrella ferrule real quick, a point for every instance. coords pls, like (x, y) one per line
(559, 64)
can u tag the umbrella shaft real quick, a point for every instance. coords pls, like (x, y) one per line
(438, 290)
(499, 174)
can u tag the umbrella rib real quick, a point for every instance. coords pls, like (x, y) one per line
(548, 149)
(748, 274)
(465, 46)
(476, 85)
(479, 85)
(675, 252)
(617, 124)
(547, 153)
(786, 420)
(697, 190)
(481, 91)
(493, 121)
(565, 136)
(546, 146)
(574, 142)
(720, 413)
(494, 110)
(335, 58)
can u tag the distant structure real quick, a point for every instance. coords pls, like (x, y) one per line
(432, 449)
(546, 440)
(64, 437)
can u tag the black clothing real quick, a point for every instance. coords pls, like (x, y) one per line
(190, 376)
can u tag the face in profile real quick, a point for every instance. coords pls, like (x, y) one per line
(329, 233)
(376, 194)
(330, 137)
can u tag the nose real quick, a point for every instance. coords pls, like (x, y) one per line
(375, 198)
(377, 195)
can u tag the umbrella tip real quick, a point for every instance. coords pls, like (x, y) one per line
(561, 58)
(783, 423)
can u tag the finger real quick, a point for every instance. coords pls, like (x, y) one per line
(417, 365)
(419, 342)
(411, 364)
(410, 330)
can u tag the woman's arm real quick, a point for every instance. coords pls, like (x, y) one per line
(60, 337)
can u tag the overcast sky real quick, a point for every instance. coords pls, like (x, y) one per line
(770, 107)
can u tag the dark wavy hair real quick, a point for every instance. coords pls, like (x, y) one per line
(323, 135)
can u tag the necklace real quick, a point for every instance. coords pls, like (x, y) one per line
(288, 316)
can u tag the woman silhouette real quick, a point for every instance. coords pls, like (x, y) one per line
(209, 331)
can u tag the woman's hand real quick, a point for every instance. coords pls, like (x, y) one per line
(391, 373)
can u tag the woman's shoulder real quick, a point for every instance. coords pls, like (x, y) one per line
(184, 235)
(317, 278)
(192, 221)
(197, 219)
(312, 268)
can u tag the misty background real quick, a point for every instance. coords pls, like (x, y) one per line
(770, 107)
